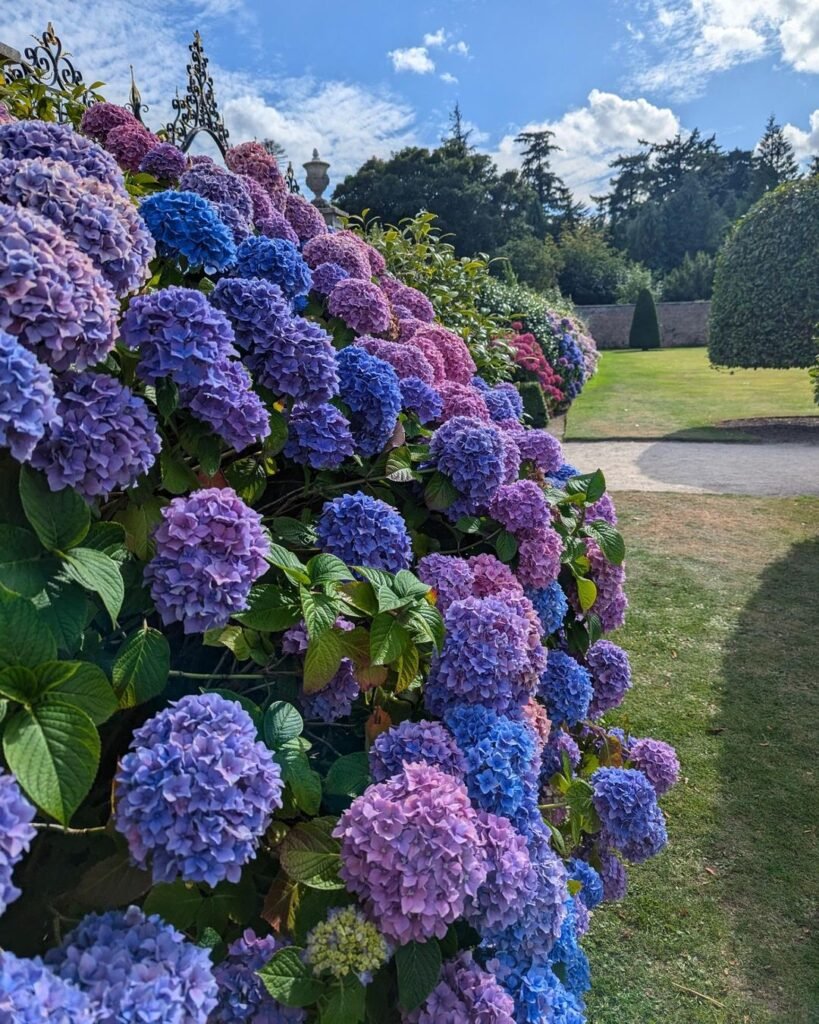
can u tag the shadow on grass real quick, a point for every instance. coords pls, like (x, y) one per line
(766, 840)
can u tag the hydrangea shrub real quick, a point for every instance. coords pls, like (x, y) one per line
(302, 621)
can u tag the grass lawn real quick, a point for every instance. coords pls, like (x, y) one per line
(674, 391)
(724, 643)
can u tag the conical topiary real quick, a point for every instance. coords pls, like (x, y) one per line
(645, 327)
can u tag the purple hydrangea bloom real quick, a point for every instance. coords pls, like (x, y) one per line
(226, 401)
(449, 576)
(657, 761)
(32, 994)
(504, 402)
(51, 296)
(136, 968)
(341, 247)
(421, 399)
(510, 877)
(488, 657)
(369, 388)
(541, 448)
(100, 118)
(196, 791)
(274, 225)
(25, 140)
(470, 453)
(592, 884)
(179, 335)
(611, 676)
(459, 365)
(210, 549)
(16, 835)
(335, 700)
(361, 530)
(465, 994)
(296, 358)
(304, 218)
(165, 162)
(551, 605)
(604, 509)
(255, 308)
(411, 742)
(27, 403)
(5, 115)
(404, 359)
(361, 305)
(461, 400)
(222, 188)
(565, 688)
(240, 229)
(626, 804)
(491, 578)
(253, 160)
(614, 876)
(275, 260)
(242, 996)
(262, 204)
(559, 743)
(410, 851)
(129, 144)
(318, 437)
(567, 958)
(539, 553)
(184, 224)
(102, 440)
(415, 302)
(611, 602)
(100, 221)
(326, 276)
(521, 507)
(502, 763)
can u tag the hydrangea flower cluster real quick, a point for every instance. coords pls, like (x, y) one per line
(16, 835)
(326, 276)
(541, 448)
(134, 967)
(538, 993)
(210, 549)
(560, 743)
(102, 439)
(305, 219)
(27, 403)
(196, 791)
(361, 530)
(252, 160)
(414, 302)
(129, 143)
(242, 996)
(611, 676)
(410, 851)
(319, 438)
(404, 359)
(510, 878)
(611, 602)
(411, 742)
(565, 688)
(459, 366)
(369, 388)
(551, 606)
(26, 140)
(345, 943)
(657, 761)
(421, 399)
(222, 188)
(451, 578)
(335, 700)
(504, 402)
(361, 305)
(98, 120)
(614, 876)
(465, 994)
(470, 453)
(567, 957)
(186, 225)
(224, 400)
(591, 892)
(165, 162)
(275, 260)
(626, 802)
(344, 249)
(32, 994)
(461, 400)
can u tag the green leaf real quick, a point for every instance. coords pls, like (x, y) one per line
(248, 478)
(388, 639)
(100, 573)
(111, 882)
(285, 560)
(361, 595)
(108, 538)
(177, 902)
(288, 979)
(610, 540)
(54, 750)
(468, 524)
(349, 775)
(429, 623)
(408, 585)
(304, 783)
(407, 667)
(294, 531)
(389, 601)
(60, 518)
(277, 438)
(66, 614)
(596, 486)
(167, 397)
(586, 592)
(19, 683)
(24, 637)
(328, 569)
(177, 476)
(79, 683)
(319, 611)
(139, 522)
(398, 467)
(418, 964)
(140, 669)
(310, 855)
(506, 546)
(321, 661)
(24, 566)
(377, 577)
(282, 722)
(343, 1004)
(440, 492)
(270, 609)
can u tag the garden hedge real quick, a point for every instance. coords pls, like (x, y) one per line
(644, 332)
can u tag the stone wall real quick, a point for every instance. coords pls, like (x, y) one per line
(681, 323)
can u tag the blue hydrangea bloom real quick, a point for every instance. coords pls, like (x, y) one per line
(275, 260)
(572, 365)
(370, 389)
(255, 308)
(564, 473)
(25, 140)
(225, 400)
(16, 835)
(567, 958)
(296, 359)
(470, 452)
(326, 276)
(32, 994)
(551, 606)
(592, 892)
(318, 437)
(565, 688)
(243, 998)
(504, 402)
(626, 804)
(184, 224)
(421, 399)
(430, 742)
(361, 530)
(558, 744)
(196, 791)
(136, 968)
(539, 994)
(27, 403)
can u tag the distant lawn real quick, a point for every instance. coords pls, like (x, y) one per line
(723, 635)
(674, 391)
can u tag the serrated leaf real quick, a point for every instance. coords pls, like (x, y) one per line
(140, 669)
(112, 882)
(388, 639)
(377, 577)
(328, 569)
(108, 538)
(294, 531)
(418, 965)
(60, 518)
(304, 782)
(321, 661)
(282, 722)
(319, 611)
(289, 980)
(277, 438)
(285, 560)
(344, 1003)
(177, 476)
(25, 568)
(596, 486)
(440, 492)
(66, 614)
(610, 540)
(506, 546)
(361, 595)
(408, 585)
(349, 775)
(310, 855)
(586, 592)
(429, 623)
(177, 902)
(270, 609)
(79, 683)
(19, 683)
(139, 522)
(407, 668)
(97, 572)
(25, 639)
(248, 477)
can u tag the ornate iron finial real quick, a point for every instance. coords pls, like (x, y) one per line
(52, 67)
(135, 104)
(290, 179)
(197, 110)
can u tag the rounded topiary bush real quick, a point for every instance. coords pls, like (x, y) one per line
(766, 287)
(645, 327)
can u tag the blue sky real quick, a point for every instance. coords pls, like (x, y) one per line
(366, 76)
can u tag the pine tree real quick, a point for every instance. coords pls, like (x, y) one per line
(645, 327)
(775, 158)
(458, 138)
(813, 166)
(275, 149)
(553, 194)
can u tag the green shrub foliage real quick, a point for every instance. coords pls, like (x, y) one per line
(645, 327)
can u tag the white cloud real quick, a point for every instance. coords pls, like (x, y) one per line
(437, 38)
(412, 58)
(592, 135)
(449, 79)
(461, 48)
(805, 143)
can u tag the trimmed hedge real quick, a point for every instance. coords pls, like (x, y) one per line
(766, 286)
(645, 327)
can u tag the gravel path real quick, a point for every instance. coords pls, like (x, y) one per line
(701, 468)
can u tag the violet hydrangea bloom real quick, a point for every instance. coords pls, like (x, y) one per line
(657, 761)
(510, 876)
(613, 875)
(100, 118)
(415, 302)
(470, 453)
(326, 276)
(405, 360)
(262, 204)
(129, 144)
(521, 507)
(539, 553)
(196, 791)
(185, 224)
(611, 602)
(16, 835)
(274, 225)
(551, 605)
(210, 549)
(369, 388)
(461, 400)
(275, 260)
(32, 994)
(565, 688)
(361, 305)
(491, 578)
(604, 509)
(221, 187)
(335, 700)
(296, 358)
(225, 400)
(51, 296)
(342, 248)
(255, 308)
(361, 530)
(465, 994)
(345, 944)
(165, 162)
(319, 437)
(252, 160)
(449, 576)
(410, 742)
(410, 850)
(304, 218)
(626, 803)
(25, 140)
(27, 403)
(611, 676)
(242, 996)
(103, 438)
(134, 967)
(541, 448)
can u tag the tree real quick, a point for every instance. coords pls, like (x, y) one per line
(532, 261)
(692, 279)
(275, 149)
(458, 138)
(813, 166)
(645, 327)
(766, 286)
(554, 196)
(775, 159)
(592, 271)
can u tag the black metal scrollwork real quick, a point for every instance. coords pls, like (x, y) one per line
(197, 110)
(50, 63)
